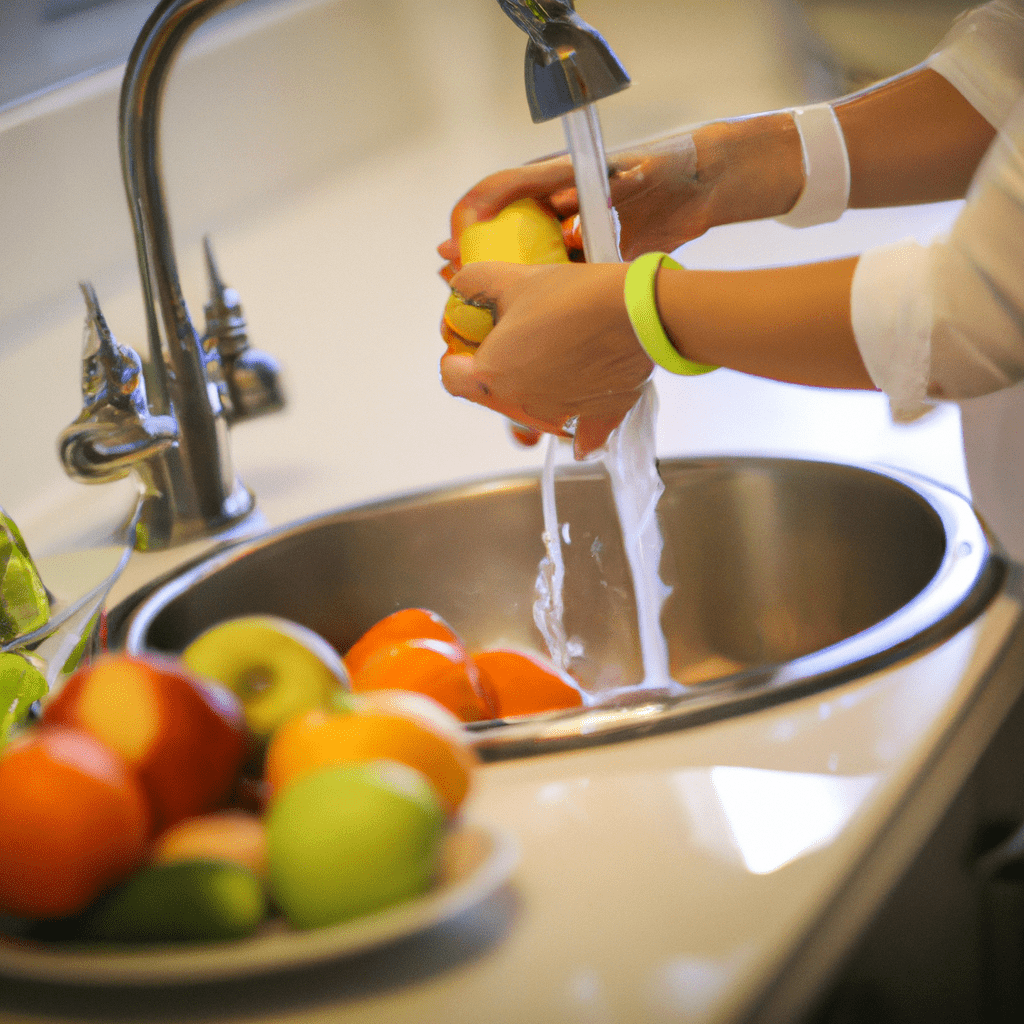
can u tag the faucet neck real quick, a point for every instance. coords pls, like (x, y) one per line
(199, 492)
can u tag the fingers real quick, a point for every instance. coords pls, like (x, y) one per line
(550, 181)
(591, 434)
(526, 436)
(481, 282)
(462, 379)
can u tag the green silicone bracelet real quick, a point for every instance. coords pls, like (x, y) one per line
(642, 308)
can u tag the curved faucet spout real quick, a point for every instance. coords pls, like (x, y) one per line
(196, 491)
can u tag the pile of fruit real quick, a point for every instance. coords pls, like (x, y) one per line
(260, 774)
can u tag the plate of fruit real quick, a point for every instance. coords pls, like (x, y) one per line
(191, 818)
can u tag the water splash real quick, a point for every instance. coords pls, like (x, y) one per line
(630, 458)
(631, 463)
(548, 608)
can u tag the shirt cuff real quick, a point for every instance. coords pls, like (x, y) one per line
(891, 310)
(982, 57)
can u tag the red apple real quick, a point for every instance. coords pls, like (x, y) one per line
(184, 737)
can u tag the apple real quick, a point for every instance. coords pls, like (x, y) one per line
(277, 668)
(352, 839)
(185, 738)
(523, 232)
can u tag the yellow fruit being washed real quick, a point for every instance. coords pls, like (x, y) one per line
(523, 232)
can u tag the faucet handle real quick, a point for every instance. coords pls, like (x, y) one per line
(115, 431)
(252, 378)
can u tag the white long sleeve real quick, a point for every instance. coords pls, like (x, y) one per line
(946, 320)
(982, 56)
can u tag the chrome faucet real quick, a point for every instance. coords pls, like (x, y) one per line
(170, 423)
(568, 63)
(171, 426)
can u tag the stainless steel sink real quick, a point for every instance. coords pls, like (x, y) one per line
(787, 576)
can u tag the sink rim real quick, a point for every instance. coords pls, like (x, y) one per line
(968, 577)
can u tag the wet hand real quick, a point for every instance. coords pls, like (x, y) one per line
(562, 357)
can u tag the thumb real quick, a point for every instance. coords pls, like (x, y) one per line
(480, 282)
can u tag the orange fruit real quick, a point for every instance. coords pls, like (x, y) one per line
(386, 731)
(74, 821)
(405, 624)
(441, 670)
(525, 685)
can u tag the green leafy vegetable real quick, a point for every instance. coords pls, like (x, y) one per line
(21, 684)
(24, 603)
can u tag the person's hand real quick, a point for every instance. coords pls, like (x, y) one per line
(654, 188)
(666, 192)
(562, 357)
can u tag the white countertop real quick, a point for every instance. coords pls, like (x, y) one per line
(662, 879)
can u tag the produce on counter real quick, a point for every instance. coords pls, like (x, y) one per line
(194, 900)
(229, 834)
(276, 667)
(134, 809)
(392, 725)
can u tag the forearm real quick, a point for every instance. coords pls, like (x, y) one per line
(911, 139)
(789, 323)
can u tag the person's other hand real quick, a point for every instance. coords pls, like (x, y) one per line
(666, 192)
(562, 357)
(654, 188)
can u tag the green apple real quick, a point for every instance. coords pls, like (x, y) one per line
(188, 901)
(276, 667)
(352, 839)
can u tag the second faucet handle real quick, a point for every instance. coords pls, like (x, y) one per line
(251, 378)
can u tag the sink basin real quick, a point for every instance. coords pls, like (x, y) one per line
(787, 576)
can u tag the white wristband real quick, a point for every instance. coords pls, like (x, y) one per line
(826, 190)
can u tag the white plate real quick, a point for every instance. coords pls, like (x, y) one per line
(478, 859)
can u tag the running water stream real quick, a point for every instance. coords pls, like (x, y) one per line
(629, 457)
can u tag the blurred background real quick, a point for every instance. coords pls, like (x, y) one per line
(834, 45)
